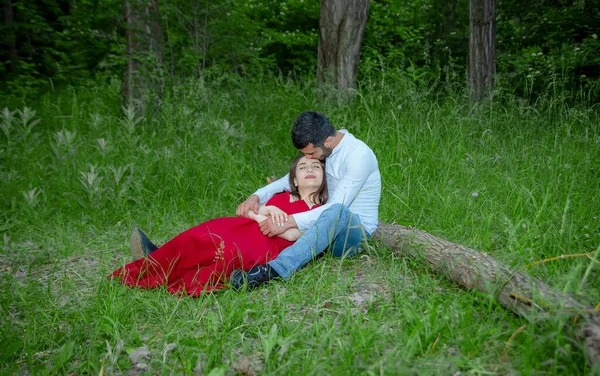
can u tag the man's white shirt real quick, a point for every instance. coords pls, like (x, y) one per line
(353, 179)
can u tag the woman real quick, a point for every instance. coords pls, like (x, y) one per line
(202, 258)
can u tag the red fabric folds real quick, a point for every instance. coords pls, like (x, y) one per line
(202, 258)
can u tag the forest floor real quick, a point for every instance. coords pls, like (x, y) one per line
(515, 180)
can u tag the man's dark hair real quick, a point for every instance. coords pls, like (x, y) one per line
(311, 127)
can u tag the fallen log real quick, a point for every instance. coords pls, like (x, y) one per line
(513, 289)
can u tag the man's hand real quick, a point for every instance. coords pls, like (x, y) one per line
(251, 203)
(271, 228)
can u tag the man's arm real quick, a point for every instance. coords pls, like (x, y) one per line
(346, 191)
(261, 196)
(269, 190)
(249, 205)
(348, 188)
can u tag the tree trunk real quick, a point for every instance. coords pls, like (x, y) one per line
(514, 290)
(170, 45)
(205, 39)
(128, 83)
(143, 76)
(197, 32)
(342, 26)
(196, 39)
(482, 47)
(154, 32)
(10, 36)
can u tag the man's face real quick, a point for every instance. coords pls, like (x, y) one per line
(312, 152)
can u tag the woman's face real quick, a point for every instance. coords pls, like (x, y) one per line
(309, 173)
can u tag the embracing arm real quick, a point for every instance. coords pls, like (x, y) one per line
(264, 214)
(269, 190)
(349, 187)
(261, 196)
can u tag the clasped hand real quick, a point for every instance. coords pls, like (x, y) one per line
(276, 222)
(251, 204)
(271, 228)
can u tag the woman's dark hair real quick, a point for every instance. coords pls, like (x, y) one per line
(311, 127)
(320, 196)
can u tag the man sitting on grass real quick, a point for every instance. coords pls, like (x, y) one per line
(349, 216)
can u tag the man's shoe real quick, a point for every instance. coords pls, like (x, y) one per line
(140, 245)
(254, 277)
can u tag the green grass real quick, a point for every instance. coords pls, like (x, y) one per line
(517, 181)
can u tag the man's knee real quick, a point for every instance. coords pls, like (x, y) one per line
(337, 208)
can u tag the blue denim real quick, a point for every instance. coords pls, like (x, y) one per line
(337, 228)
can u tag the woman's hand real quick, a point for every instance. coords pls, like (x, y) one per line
(277, 215)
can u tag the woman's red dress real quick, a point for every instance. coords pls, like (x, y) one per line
(202, 258)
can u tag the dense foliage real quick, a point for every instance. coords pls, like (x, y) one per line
(543, 46)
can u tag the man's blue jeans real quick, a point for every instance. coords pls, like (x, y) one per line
(337, 228)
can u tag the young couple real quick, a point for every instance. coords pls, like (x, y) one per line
(329, 200)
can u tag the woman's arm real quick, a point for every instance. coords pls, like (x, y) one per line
(277, 215)
(257, 217)
(290, 235)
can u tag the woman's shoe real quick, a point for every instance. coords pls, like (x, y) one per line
(140, 245)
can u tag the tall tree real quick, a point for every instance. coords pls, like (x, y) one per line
(195, 23)
(342, 26)
(142, 80)
(482, 47)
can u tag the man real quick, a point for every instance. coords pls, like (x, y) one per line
(348, 217)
